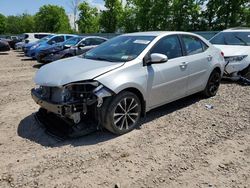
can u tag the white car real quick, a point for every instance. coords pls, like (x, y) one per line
(33, 37)
(235, 44)
(120, 80)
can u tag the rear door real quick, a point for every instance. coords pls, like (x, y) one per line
(198, 61)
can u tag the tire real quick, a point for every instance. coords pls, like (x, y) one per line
(246, 73)
(213, 84)
(123, 113)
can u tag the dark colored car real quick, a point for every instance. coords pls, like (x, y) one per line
(4, 46)
(12, 40)
(72, 47)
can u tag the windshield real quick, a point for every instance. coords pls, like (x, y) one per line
(120, 49)
(45, 38)
(232, 38)
(72, 41)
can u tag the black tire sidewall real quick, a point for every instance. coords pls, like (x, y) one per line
(207, 92)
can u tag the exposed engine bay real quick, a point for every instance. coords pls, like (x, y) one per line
(72, 102)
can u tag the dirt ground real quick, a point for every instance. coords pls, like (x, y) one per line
(182, 144)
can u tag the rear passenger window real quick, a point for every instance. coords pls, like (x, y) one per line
(39, 36)
(193, 45)
(169, 46)
(98, 41)
(204, 46)
(68, 37)
(56, 40)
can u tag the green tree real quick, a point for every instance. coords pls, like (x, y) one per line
(20, 24)
(110, 19)
(88, 21)
(185, 15)
(52, 18)
(152, 14)
(2, 24)
(222, 14)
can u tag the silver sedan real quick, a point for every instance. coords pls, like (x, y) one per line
(122, 79)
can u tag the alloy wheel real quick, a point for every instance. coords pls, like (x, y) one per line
(214, 83)
(126, 113)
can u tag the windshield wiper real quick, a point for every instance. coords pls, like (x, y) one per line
(245, 43)
(99, 58)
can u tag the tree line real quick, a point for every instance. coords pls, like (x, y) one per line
(134, 15)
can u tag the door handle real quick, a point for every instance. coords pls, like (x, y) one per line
(209, 58)
(183, 65)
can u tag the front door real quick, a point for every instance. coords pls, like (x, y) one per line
(168, 80)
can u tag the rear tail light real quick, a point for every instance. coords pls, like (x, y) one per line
(222, 53)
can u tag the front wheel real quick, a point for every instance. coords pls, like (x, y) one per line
(213, 84)
(246, 73)
(123, 113)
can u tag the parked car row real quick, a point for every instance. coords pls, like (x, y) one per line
(115, 82)
(54, 47)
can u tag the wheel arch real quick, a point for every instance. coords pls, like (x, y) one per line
(218, 69)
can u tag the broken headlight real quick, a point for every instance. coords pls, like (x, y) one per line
(235, 58)
(83, 91)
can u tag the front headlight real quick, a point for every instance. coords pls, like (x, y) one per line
(35, 46)
(81, 90)
(235, 58)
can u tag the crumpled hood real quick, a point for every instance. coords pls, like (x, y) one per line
(70, 70)
(233, 50)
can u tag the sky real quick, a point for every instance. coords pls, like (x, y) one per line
(15, 7)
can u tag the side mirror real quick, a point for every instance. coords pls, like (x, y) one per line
(158, 58)
(67, 46)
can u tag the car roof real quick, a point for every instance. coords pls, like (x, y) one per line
(237, 29)
(94, 37)
(158, 33)
(37, 33)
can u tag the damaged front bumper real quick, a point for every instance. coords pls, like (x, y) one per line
(73, 108)
(62, 109)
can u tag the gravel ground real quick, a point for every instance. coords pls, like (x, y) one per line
(182, 144)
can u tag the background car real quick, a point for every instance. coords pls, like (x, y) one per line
(4, 46)
(27, 46)
(12, 40)
(33, 37)
(120, 80)
(19, 45)
(235, 44)
(54, 40)
(72, 47)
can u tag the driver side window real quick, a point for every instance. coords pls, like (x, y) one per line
(56, 40)
(169, 46)
(86, 42)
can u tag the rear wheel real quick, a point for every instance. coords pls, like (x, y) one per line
(213, 84)
(123, 113)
